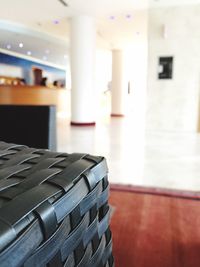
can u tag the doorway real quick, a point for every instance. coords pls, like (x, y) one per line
(37, 76)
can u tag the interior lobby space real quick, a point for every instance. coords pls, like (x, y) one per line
(124, 79)
(100, 133)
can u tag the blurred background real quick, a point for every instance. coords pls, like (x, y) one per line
(128, 71)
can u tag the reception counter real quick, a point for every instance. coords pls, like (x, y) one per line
(35, 95)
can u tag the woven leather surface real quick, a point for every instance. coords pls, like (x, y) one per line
(53, 209)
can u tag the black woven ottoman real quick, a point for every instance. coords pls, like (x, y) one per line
(53, 209)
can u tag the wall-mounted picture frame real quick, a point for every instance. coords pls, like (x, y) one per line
(165, 67)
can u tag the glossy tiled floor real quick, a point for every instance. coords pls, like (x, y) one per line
(172, 160)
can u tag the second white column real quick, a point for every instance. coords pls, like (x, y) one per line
(119, 85)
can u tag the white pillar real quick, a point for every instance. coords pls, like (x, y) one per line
(83, 36)
(119, 87)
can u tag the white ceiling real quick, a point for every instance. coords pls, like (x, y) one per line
(42, 46)
(32, 22)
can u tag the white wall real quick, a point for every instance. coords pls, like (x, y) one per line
(11, 71)
(173, 104)
(136, 69)
(103, 75)
(103, 69)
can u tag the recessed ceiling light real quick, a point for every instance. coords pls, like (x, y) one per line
(128, 16)
(47, 51)
(112, 17)
(138, 33)
(56, 21)
(8, 46)
(29, 53)
(21, 45)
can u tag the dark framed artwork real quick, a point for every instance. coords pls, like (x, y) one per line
(165, 68)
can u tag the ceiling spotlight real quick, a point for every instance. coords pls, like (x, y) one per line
(8, 46)
(21, 45)
(56, 21)
(128, 16)
(112, 17)
(29, 53)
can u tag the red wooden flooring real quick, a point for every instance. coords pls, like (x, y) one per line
(155, 231)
